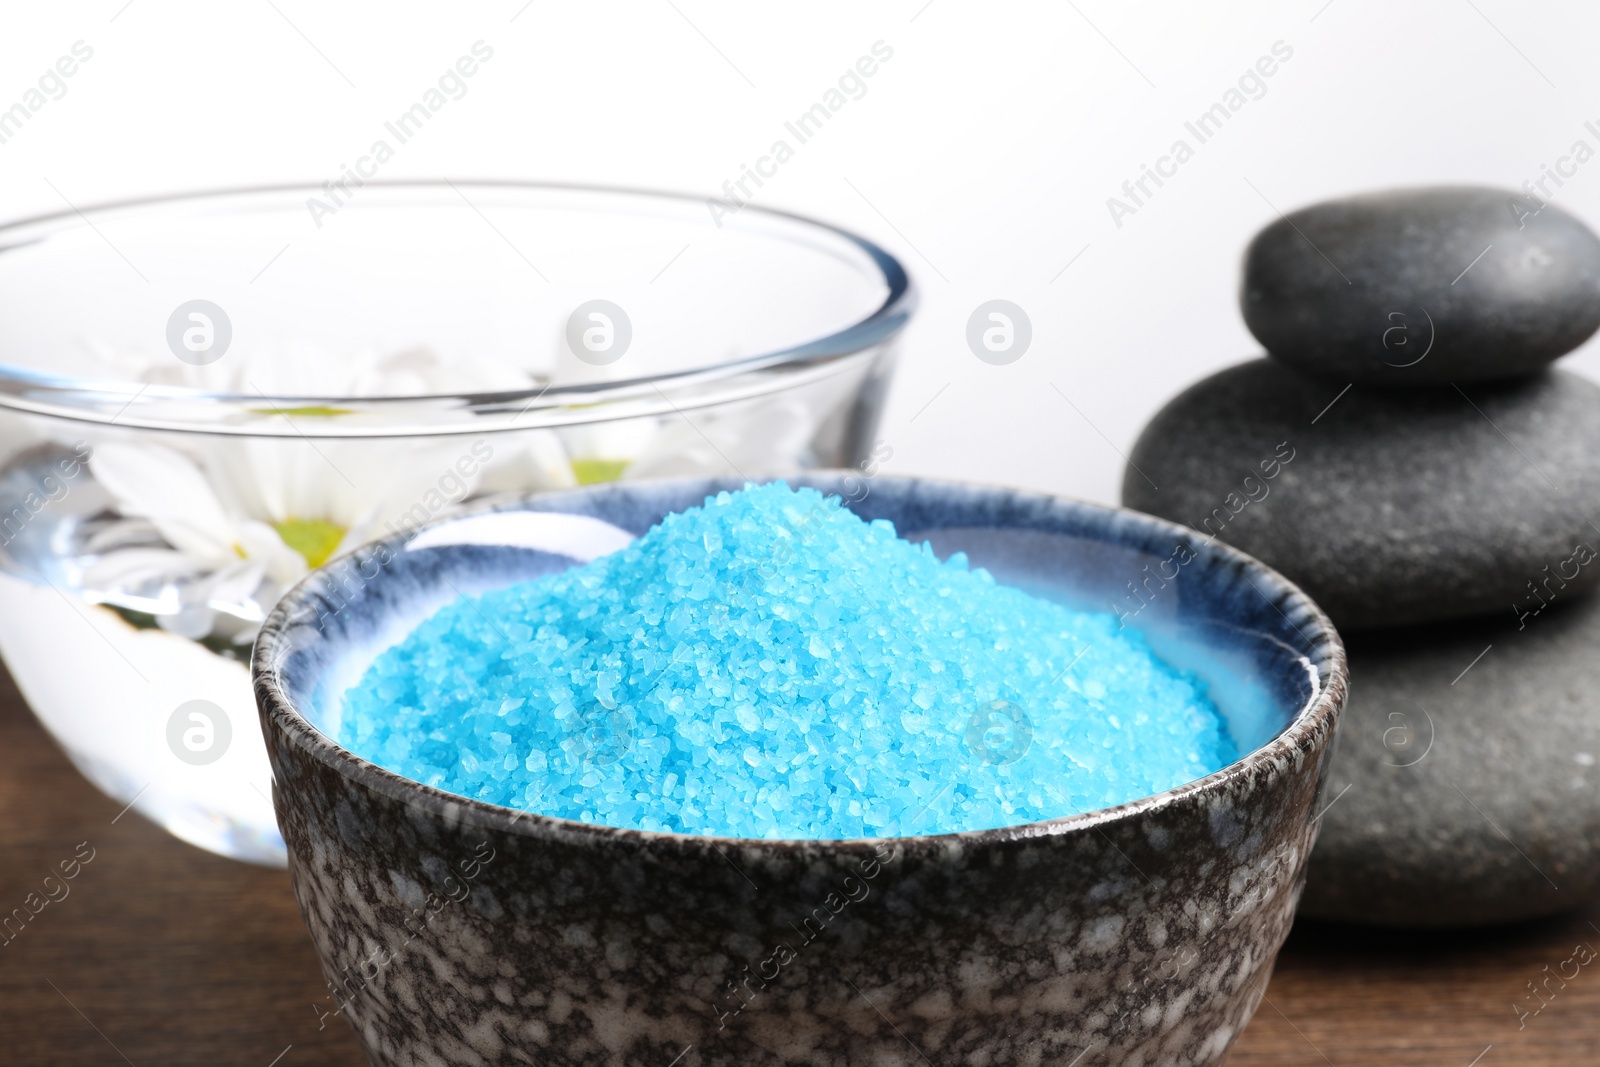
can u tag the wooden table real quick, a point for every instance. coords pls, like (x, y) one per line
(161, 954)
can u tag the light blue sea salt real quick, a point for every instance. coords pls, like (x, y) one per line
(769, 665)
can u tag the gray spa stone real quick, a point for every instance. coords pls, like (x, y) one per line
(1388, 507)
(1376, 289)
(1466, 798)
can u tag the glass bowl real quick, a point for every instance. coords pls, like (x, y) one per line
(204, 397)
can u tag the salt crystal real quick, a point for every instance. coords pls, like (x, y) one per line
(768, 665)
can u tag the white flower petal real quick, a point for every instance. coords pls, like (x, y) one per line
(627, 439)
(158, 483)
(132, 567)
(261, 543)
(766, 439)
(536, 460)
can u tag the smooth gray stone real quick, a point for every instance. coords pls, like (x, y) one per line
(1472, 798)
(1395, 507)
(1371, 289)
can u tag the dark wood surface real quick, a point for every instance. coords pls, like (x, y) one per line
(161, 954)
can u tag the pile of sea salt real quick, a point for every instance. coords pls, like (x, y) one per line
(769, 665)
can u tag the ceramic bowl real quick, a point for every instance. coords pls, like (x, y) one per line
(457, 932)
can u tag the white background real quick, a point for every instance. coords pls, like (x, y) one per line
(982, 153)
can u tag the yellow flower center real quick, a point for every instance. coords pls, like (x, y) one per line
(589, 471)
(312, 411)
(315, 539)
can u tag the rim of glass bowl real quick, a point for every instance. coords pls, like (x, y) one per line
(1309, 728)
(253, 415)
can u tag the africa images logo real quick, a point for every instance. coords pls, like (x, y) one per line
(1203, 128)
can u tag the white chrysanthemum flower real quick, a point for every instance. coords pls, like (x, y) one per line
(211, 530)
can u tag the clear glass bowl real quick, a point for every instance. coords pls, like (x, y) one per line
(203, 397)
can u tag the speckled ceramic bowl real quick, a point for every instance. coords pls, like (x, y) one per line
(457, 932)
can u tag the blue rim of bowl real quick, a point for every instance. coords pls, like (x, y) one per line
(19, 386)
(1312, 727)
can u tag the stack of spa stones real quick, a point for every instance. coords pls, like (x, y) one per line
(1406, 455)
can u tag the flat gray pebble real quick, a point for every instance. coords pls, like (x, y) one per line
(1465, 798)
(1423, 286)
(1388, 507)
